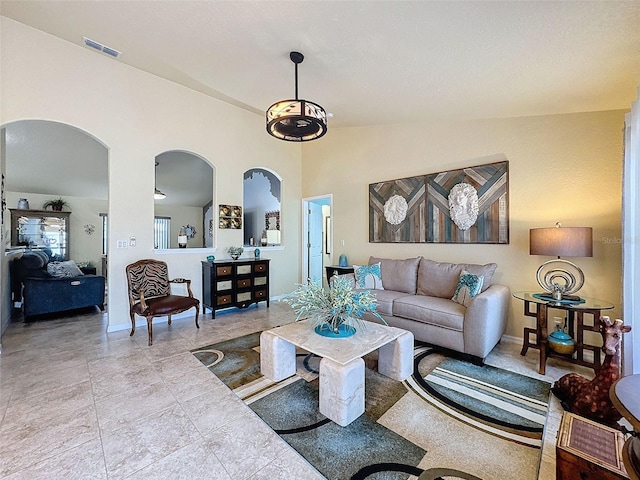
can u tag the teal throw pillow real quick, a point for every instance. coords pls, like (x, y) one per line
(368, 276)
(469, 285)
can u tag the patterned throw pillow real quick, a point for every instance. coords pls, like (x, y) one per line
(368, 276)
(469, 285)
(67, 269)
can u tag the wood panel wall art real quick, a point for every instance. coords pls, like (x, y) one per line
(470, 205)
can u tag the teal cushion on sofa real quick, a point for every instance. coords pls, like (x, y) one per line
(368, 276)
(469, 285)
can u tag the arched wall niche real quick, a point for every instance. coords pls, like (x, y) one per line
(262, 202)
(187, 180)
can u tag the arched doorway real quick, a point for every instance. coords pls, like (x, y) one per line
(45, 160)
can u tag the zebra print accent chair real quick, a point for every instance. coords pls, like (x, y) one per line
(150, 294)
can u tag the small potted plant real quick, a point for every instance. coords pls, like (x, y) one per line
(56, 204)
(235, 252)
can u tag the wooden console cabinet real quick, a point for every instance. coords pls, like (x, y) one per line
(234, 283)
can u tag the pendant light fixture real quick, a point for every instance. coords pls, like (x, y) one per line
(296, 120)
(157, 194)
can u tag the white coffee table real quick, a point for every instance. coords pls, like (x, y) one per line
(341, 367)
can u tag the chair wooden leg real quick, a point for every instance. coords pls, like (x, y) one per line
(197, 313)
(133, 323)
(150, 329)
(169, 319)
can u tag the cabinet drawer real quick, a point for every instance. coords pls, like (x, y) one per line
(226, 285)
(243, 269)
(244, 283)
(260, 294)
(223, 270)
(223, 299)
(243, 297)
(260, 267)
(260, 281)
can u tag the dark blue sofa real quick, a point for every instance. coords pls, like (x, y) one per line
(42, 293)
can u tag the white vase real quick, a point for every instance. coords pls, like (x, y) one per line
(23, 204)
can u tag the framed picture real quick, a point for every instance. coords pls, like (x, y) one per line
(230, 216)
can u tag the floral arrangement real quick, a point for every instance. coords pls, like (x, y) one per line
(340, 304)
(235, 252)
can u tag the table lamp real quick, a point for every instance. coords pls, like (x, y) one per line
(561, 278)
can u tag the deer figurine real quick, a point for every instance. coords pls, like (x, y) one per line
(590, 398)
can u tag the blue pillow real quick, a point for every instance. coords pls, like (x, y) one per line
(368, 276)
(469, 285)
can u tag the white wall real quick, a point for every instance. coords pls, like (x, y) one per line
(136, 115)
(561, 168)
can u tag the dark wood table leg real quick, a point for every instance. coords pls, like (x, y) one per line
(526, 343)
(542, 337)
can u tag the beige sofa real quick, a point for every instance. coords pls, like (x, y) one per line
(417, 297)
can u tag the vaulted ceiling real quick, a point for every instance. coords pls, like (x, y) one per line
(372, 62)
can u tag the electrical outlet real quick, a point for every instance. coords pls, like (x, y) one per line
(132, 241)
(342, 243)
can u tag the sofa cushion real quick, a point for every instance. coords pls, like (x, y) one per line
(440, 279)
(385, 299)
(469, 285)
(34, 259)
(67, 269)
(436, 311)
(399, 275)
(368, 276)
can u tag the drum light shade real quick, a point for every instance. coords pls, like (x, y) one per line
(561, 241)
(296, 120)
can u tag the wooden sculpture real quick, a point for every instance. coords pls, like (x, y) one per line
(590, 398)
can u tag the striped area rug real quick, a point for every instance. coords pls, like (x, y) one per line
(496, 401)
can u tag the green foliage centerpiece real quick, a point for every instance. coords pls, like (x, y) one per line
(336, 311)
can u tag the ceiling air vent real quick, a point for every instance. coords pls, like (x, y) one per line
(103, 48)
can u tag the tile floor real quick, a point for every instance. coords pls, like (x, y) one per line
(79, 403)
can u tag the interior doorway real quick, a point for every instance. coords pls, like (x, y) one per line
(317, 238)
(43, 160)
